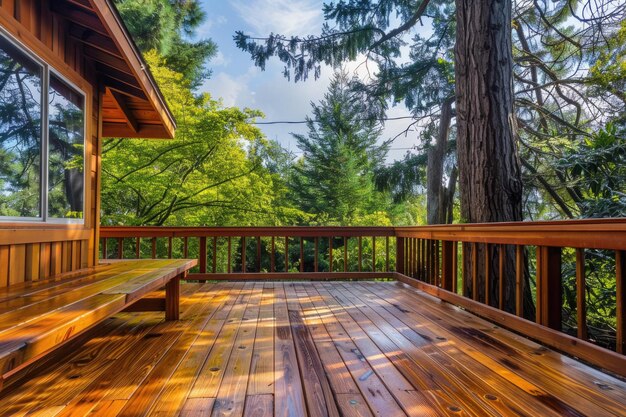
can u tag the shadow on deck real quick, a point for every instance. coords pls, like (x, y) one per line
(310, 349)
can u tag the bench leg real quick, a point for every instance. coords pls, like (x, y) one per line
(172, 299)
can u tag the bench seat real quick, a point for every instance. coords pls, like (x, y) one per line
(36, 317)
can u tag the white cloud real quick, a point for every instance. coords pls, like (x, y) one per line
(212, 22)
(219, 60)
(288, 17)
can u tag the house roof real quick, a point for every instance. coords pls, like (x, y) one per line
(133, 105)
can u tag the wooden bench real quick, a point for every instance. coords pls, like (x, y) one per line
(37, 317)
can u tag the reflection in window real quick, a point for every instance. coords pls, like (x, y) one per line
(20, 133)
(66, 122)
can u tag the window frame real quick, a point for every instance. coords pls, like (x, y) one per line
(46, 71)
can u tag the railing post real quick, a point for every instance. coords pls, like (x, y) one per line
(447, 274)
(549, 291)
(400, 255)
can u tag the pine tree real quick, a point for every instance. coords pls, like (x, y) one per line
(165, 26)
(334, 178)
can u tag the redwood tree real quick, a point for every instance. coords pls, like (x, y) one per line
(489, 168)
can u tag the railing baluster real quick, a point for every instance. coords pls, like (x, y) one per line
(487, 274)
(416, 262)
(424, 263)
(258, 254)
(301, 254)
(316, 255)
(620, 300)
(581, 305)
(273, 256)
(360, 253)
(244, 268)
(104, 248)
(120, 248)
(474, 271)
(153, 242)
(501, 258)
(229, 268)
(345, 254)
(185, 247)
(455, 265)
(464, 260)
(214, 254)
(437, 263)
(286, 253)
(330, 254)
(447, 253)
(169, 247)
(519, 280)
(202, 254)
(138, 250)
(386, 253)
(373, 253)
(408, 259)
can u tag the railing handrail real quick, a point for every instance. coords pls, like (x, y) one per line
(247, 231)
(585, 233)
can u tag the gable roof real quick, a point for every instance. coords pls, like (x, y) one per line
(133, 105)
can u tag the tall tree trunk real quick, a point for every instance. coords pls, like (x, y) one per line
(436, 194)
(489, 168)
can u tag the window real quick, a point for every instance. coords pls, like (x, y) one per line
(42, 141)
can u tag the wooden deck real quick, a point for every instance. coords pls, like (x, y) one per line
(309, 349)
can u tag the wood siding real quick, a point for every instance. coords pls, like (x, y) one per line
(35, 251)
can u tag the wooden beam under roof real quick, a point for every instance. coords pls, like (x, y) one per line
(106, 43)
(120, 100)
(94, 39)
(108, 15)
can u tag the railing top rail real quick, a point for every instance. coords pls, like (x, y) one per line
(587, 233)
(290, 231)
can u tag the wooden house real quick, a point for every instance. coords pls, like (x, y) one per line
(71, 75)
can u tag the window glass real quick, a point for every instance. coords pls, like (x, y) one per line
(66, 145)
(20, 133)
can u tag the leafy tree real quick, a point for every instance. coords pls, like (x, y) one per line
(210, 174)
(165, 26)
(334, 178)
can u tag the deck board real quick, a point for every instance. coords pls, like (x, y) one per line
(309, 349)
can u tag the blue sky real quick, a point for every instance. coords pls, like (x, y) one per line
(238, 83)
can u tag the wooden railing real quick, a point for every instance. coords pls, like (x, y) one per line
(510, 273)
(262, 252)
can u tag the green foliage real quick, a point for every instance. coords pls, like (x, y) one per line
(598, 167)
(211, 174)
(334, 178)
(165, 26)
